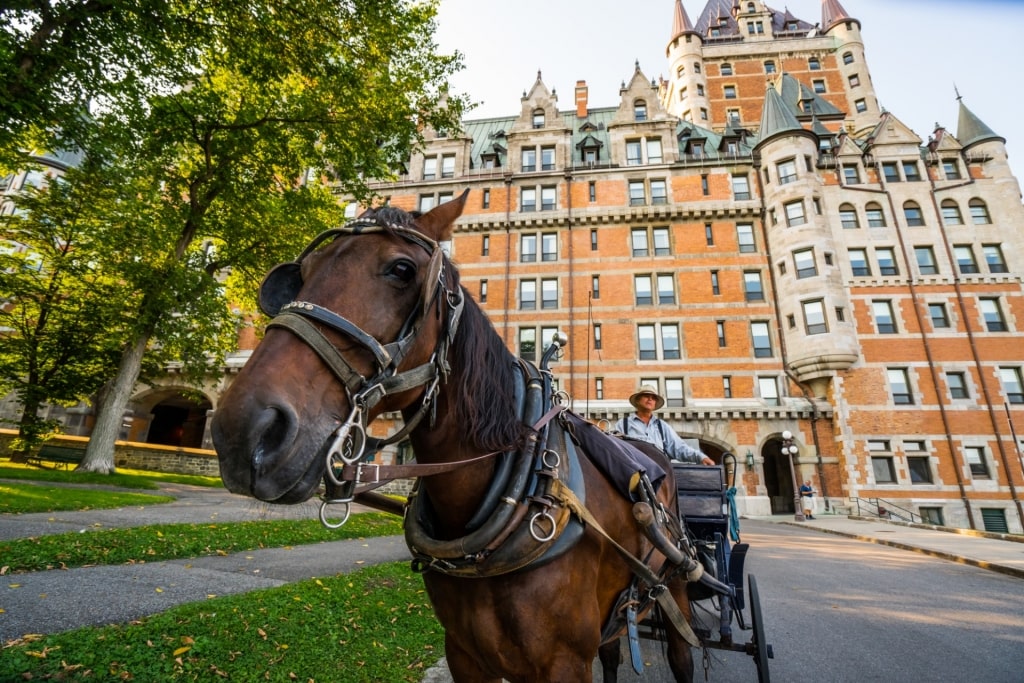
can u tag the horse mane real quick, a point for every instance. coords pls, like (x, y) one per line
(482, 377)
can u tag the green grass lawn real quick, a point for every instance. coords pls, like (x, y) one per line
(20, 498)
(372, 625)
(129, 479)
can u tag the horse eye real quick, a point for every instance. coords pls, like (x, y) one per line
(403, 270)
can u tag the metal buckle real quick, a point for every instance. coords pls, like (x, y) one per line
(359, 473)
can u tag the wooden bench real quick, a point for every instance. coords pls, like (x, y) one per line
(60, 456)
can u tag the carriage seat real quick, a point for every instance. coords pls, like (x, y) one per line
(701, 493)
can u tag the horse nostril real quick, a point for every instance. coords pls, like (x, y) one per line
(275, 429)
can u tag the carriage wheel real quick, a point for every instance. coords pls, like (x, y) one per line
(762, 650)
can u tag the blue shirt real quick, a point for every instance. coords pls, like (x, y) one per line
(661, 435)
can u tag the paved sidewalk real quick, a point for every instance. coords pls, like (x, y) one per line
(56, 600)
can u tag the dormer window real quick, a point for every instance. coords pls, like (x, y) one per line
(538, 118)
(640, 110)
(751, 8)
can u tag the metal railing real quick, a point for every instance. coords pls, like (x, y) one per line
(883, 509)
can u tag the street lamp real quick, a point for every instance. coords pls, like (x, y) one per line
(790, 450)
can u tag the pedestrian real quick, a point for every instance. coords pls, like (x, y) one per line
(807, 498)
(646, 426)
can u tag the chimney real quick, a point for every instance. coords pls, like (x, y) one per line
(581, 99)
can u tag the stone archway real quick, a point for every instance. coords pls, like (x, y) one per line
(778, 478)
(176, 419)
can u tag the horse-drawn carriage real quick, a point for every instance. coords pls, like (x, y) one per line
(542, 540)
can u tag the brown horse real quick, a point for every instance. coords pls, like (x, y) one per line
(384, 297)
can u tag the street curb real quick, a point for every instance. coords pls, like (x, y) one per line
(960, 559)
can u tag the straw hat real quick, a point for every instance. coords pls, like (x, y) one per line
(647, 389)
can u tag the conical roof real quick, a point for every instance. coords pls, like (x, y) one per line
(833, 13)
(776, 117)
(970, 130)
(680, 21)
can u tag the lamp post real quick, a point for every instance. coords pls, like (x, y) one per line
(750, 460)
(789, 450)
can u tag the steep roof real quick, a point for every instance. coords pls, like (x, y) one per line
(777, 118)
(970, 130)
(680, 21)
(833, 13)
(719, 14)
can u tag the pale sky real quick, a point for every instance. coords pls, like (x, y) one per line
(917, 51)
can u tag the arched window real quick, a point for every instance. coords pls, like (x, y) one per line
(727, 69)
(751, 8)
(538, 118)
(847, 58)
(875, 215)
(951, 213)
(912, 212)
(979, 212)
(640, 110)
(848, 216)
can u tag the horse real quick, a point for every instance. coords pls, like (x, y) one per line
(373, 319)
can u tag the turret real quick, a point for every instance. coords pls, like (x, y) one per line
(981, 145)
(862, 103)
(686, 95)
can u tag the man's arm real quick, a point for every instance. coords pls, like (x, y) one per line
(676, 448)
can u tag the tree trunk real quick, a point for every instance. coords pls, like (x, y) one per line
(99, 454)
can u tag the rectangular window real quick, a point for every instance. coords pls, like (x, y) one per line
(528, 248)
(1013, 387)
(634, 152)
(485, 203)
(803, 260)
(714, 283)
(965, 261)
(599, 388)
(549, 294)
(547, 158)
(730, 92)
(674, 393)
(726, 386)
(666, 289)
(704, 187)
(654, 151)
(597, 336)
(529, 160)
(528, 199)
(899, 386)
(885, 472)
(659, 192)
(483, 291)
(661, 243)
(931, 515)
(768, 387)
(645, 339)
(670, 342)
(875, 216)
(638, 239)
(814, 317)
(993, 315)
(592, 191)
(886, 261)
(859, 262)
(527, 295)
(485, 247)
(427, 202)
(720, 329)
(740, 187)
(795, 213)
(860, 105)
(819, 85)
(994, 258)
(885, 323)
(595, 287)
(951, 168)
(937, 312)
(761, 340)
(920, 469)
(448, 166)
(642, 286)
(528, 343)
(957, 384)
(549, 246)
(430, 168)
(851, 175)
(910, 171)
(593, 239)
(745, 237)
(787, 171)
(548, 201)
(975, 457)
(752, 286)
(709, 235)
(926, 260)
(637, 193)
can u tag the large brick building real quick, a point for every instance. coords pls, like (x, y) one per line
(756, 238)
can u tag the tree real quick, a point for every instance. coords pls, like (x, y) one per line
(61, 317)
(217, 167)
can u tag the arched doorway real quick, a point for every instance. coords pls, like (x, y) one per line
(778, 478)
(178, 420)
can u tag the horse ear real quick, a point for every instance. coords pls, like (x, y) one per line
(438, 222)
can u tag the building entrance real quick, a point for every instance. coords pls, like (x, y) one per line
(778, 478)
(178, 421)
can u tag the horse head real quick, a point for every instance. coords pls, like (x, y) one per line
(359, 326)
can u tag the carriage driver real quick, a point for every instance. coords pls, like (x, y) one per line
(646, 426)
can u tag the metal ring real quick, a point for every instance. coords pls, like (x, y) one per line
(533, 527)
(323, 513)
(550, 465)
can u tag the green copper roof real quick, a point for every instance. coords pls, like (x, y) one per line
(970, 130)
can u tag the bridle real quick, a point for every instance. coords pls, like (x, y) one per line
(277, 298)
